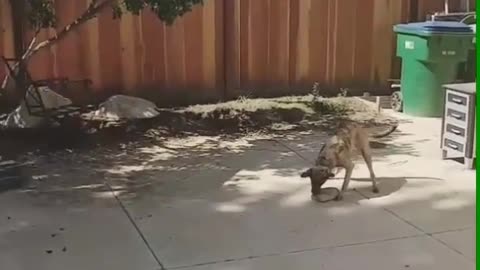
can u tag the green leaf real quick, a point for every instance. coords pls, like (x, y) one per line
(41, 14)
(117, 11)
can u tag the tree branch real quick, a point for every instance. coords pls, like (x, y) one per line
(91, 12)
(93, 9)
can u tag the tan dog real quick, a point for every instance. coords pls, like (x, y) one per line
(337, 153)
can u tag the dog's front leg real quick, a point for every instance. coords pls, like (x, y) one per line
(348, 176)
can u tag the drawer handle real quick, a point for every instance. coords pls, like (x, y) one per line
(456, 116)
(457, 100)
(452, 146)
(455, 131)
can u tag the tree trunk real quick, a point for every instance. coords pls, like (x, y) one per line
(17, 10)
(9, 86)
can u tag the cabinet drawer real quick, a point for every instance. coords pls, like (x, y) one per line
(457, 98)
(457, 131)
(452, 145)
(457, 101)
(455, 117)
(459, 116)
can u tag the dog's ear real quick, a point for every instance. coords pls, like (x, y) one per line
(307, 173)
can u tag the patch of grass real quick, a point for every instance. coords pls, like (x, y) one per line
(246, 106)
(247, 113)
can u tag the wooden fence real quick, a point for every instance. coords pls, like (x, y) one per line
(228, 48)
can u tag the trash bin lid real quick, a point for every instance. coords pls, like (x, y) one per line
(431, 28)
(474, 29)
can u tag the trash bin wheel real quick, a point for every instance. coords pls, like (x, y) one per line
(396, 101)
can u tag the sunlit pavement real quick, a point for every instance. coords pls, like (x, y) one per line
(241, 205)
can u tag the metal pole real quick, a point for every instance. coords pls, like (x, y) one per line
(446, 6)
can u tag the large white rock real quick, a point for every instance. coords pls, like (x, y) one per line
(20, 118)
(126, 107)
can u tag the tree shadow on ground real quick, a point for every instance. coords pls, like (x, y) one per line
(139, 169)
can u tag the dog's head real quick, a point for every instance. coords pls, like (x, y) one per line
(318, 176)
(307, 173)
(318, 172)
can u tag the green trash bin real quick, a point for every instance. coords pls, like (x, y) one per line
(431, 53)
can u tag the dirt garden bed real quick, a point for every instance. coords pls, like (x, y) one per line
(234, 118)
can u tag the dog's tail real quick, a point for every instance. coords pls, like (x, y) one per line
(307, 173)
(385, 133)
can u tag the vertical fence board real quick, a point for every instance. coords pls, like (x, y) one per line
(232, 44)
(344, 40)
(244, 40)
(110, 52)
(294, 22)
(318, 43)
(175, 55)
(127, 55)
(219, 49)
(207, 39)
(258, 42)
(194, 49)
(278, 43)
(153, 32)
(303, 37)
(363, 41)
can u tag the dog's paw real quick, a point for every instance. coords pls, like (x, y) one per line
(375, 190)
(339, 197)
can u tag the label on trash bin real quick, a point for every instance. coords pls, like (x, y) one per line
(449, 52)
(410, 45)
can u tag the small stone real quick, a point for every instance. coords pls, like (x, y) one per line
(64, 249)
(407, 266)
(53, 235)
(62, 229)
(9, 218)
(49, 251)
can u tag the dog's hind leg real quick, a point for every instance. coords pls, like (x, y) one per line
(348, 176)
(367, 156)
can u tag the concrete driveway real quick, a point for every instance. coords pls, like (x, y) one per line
(240, 205)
